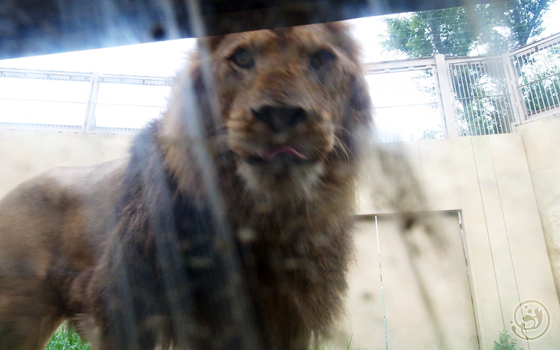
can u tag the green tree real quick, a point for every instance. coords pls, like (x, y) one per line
(457, 31)
(510, 25)
(431, 32)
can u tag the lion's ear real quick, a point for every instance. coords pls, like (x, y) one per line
(210, 43)
(343, 39)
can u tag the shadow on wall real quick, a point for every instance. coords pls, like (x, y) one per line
(409, 268)
(408, 242)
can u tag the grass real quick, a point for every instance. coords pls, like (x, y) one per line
(68, 339)
(506, 342)
(65, 339)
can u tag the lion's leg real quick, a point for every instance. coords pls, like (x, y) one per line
(286, 329)
(27, 320)
(289, 337)
(27, 333)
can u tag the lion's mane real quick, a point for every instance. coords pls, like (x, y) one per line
(219, 244)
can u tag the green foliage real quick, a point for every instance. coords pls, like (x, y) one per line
(500, 26)
(65, 339)
(521, 19)
(431, 32)
(506, 342)
(430, 134)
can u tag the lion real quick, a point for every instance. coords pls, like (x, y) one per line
(229, 227)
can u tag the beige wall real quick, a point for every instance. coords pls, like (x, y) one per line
(541, 140)
(417, 280)
(24, 154)
(487, 178)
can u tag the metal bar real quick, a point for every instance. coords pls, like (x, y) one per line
(503, 112)
(127, 105)
(399, 65)
(462, 72)
(443, 126)
(514, 89)
(406, 105)
(527, 89)
(34, 126)
(468, 92)
(545, 114)
(488, 96)
(556, 92)
(89, 120)
(544, 94)
(81, 74)
(505, 99)
(36, 100)
(46, 72)
(495, 111)
(449, 121)
(542, 79)
(475, 87)
(539, 45)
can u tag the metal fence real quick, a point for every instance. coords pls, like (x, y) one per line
(469, 95)
(537, 72)
(406, 101)
(80, 102)
(483, 104)
(46, 100)
(430, 97)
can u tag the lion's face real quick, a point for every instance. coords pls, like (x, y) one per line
(284, 96)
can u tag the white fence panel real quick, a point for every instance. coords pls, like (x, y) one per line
(79, 102)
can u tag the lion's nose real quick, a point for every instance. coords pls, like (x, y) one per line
(280, 118)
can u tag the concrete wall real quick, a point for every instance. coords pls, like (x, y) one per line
(24, 154)
(486, 178)
(541, 140)
(425, 300)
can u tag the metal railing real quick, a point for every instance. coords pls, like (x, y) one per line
(482, 97)
(405, 97)
(429, 97)
(537, 73)
(80, 102)
(471, 95)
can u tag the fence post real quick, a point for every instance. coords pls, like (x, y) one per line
(446, 97)
(517, 101)
(89, 120)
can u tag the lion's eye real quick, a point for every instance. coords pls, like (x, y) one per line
(242, 58)
(321, 58)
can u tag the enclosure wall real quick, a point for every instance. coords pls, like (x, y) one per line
(24, 153)
(487, 178)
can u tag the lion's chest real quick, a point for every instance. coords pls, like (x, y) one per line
(283, 249)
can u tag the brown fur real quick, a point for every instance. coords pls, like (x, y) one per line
(50, 229)
(291, 219)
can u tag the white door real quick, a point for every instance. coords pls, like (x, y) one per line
(409, 286)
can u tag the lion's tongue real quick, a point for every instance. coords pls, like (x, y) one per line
(270, 153)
